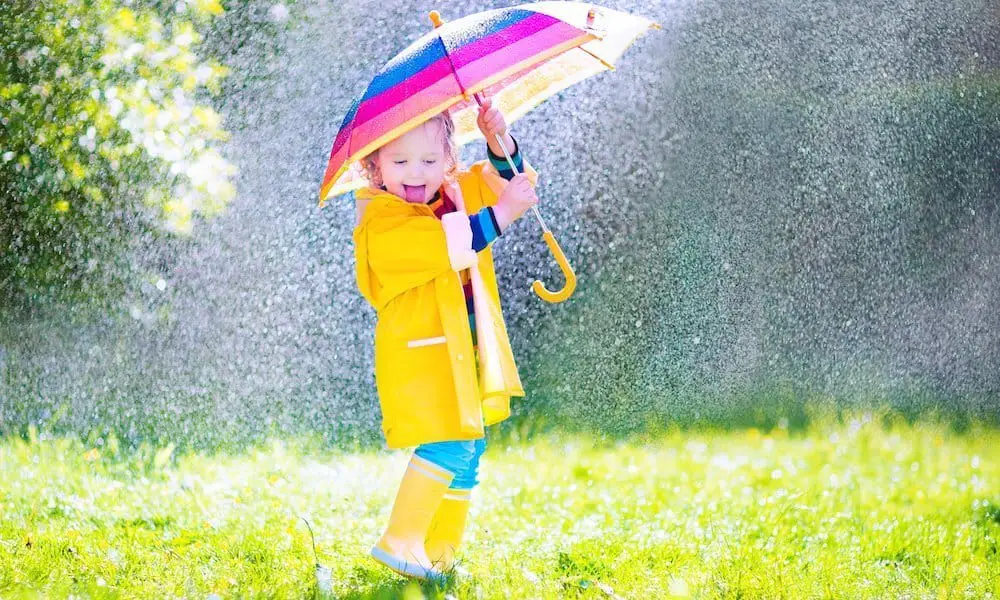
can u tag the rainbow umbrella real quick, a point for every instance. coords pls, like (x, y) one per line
(519, 56)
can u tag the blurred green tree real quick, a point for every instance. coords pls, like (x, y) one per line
(106, 140)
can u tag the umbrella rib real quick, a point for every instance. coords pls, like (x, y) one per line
(451, 64)
(602, 61)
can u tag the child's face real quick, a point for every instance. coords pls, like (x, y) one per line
(413, 165)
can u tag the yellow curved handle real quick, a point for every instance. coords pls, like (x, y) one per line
(567, 270)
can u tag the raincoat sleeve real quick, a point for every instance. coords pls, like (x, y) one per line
(399, 252)
(500, 162)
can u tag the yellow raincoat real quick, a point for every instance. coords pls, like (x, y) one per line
(425, 369)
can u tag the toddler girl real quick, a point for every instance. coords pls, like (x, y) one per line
(443, 364)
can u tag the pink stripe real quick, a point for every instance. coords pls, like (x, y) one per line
(503, 39)
(403, 90)
(523, 49)
(440, 92)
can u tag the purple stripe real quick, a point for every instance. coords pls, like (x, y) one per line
(500, 39)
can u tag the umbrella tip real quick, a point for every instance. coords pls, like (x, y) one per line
(436, 19)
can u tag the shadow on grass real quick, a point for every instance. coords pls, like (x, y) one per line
(377, 583)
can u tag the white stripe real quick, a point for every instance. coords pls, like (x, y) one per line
(426, 342)
(429, 474)
(433, 468)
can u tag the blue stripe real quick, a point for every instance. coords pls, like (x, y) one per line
(487, 223)
(493, 219)
(344, 130)
(420, 55)
(478, 239)
(508, 173)
(351, 112)
(503, 166)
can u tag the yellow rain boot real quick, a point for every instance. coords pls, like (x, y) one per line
(401, 547)
(445, 533)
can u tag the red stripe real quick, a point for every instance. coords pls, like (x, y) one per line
(392, 97)
(435, 71)
(431, 86)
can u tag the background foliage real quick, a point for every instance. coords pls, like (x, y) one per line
(107, 140)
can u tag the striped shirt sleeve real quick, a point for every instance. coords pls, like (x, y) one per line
(500, 162)
(484, 228)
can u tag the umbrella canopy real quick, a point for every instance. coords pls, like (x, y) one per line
(518, 56)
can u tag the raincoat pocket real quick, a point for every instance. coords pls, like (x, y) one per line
(417, 391)
(431, 341)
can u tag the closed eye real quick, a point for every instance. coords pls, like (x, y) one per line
(430, 162)
(399, 162)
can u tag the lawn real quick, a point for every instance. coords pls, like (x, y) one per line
(857, 507)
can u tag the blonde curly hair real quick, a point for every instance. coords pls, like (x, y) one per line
(369, 164)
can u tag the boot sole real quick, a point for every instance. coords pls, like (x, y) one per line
(405, 567)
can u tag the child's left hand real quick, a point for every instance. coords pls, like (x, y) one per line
(492, 124)
(490, 120)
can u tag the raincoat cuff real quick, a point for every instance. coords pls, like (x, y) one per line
(458, 236)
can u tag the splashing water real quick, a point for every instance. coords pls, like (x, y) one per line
(782, 199)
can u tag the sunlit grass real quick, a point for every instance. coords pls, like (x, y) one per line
(865, 508)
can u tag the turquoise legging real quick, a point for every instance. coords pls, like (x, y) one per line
(459, 457)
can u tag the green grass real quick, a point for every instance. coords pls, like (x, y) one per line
(864, 508)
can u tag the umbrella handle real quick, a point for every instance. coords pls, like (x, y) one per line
(567, 290)
(538, 286)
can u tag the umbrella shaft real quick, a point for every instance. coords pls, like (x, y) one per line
(510, 161)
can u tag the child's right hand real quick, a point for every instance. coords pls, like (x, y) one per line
(516, 198)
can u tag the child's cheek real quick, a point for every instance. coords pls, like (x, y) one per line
(391, 174)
